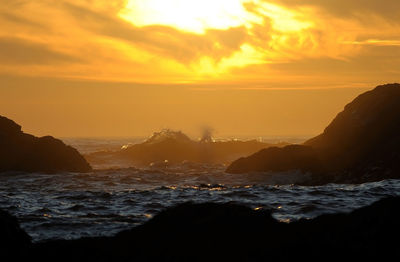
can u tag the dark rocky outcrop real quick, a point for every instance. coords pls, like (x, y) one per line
(13, 240)
(278, 159)
(176, 147)
(361, 144)
(229, 232)
(24, 152)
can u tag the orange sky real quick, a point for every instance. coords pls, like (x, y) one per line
(244, 67)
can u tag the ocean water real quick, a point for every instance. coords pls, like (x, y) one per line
(104, 202)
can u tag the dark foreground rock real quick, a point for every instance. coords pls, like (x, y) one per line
(24, 152)
(360, 145)
(13, 240)
(229, 232)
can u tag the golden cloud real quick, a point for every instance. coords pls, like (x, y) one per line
(98, 39)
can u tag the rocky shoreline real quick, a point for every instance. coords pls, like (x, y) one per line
(24, 152)
(360, 145)
(224, 232)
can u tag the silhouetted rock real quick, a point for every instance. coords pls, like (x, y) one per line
(360, 145)
(13, 240)
(8, 127)
(229, 232)
(176, 147)
(24, 152)
(278, 159)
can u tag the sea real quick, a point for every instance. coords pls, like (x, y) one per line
(115, 198)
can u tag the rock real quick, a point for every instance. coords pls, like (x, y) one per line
(24, 152)
(359, 145)
(276, 159)
(8, 127)
(13, 240)
(176, 147)
(230, 232)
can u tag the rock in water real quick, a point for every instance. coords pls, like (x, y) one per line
(24, 152)
(360, 145)
(176, 147)
(277, 160)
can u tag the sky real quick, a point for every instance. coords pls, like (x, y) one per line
(242, 67)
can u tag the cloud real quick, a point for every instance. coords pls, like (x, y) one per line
(361, 9)
(376, 42)
(88, 39)
(16, 51)
(374, 64)
(167, 41)
(17, 19)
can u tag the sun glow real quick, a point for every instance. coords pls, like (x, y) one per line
(188, 15)
(276, 24)
(197, 16)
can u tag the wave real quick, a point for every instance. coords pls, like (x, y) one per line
(72, 205)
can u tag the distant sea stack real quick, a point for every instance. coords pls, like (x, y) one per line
(361, 144)
(24, 152)
(169, 147)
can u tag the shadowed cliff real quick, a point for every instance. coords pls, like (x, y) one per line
(24, 152)
(361, 144)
